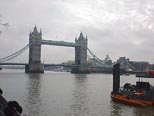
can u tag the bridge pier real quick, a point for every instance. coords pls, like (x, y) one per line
(34, 68)
(35, 65)
(81, 56)
(82, 68)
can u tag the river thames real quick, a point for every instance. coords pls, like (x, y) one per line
(66, 94)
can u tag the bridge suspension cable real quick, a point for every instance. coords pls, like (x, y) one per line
(95, 57)
(14, 55)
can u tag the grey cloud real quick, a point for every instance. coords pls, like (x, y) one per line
(116, 27)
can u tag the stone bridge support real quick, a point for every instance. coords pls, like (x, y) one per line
(81, 55)
(35, 65)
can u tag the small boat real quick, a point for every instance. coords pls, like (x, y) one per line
(141, 94)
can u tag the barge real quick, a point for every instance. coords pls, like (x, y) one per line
(141, 94)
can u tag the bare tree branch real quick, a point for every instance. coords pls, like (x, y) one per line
(3, 24)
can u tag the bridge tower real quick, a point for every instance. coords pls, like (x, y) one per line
(81, 55)
(35, 65)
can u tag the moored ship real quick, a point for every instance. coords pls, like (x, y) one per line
(141, 94)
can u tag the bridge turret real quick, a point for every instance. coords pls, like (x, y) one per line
(81, 51)
(30, 34)
(35, 51)
(35, 46)
(40, 33)
(86, 37)
(36, 34)
(81, 37)
(81, 54)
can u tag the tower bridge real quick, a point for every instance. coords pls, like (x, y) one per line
(35, 65)
(35, 42)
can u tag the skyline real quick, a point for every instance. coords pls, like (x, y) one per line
(117, 28)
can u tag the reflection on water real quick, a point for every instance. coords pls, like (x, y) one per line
(65, 94)
(115, 109)
(33, 98)
(80, 99)
(148, 111)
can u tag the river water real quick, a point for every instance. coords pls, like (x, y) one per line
(66, 94)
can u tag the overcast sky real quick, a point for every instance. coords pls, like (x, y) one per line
(114, 27)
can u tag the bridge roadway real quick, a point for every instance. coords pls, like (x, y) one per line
(64, 65)
(13, 64)
(58, 43)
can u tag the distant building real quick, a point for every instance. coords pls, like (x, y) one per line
(100, 63)
(108, 60)
(70, 62)
(140, 65)
(151, 67)
(126, 64)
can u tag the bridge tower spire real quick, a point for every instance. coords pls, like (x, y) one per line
(81, 51)
(81, 55)
(35, 65)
